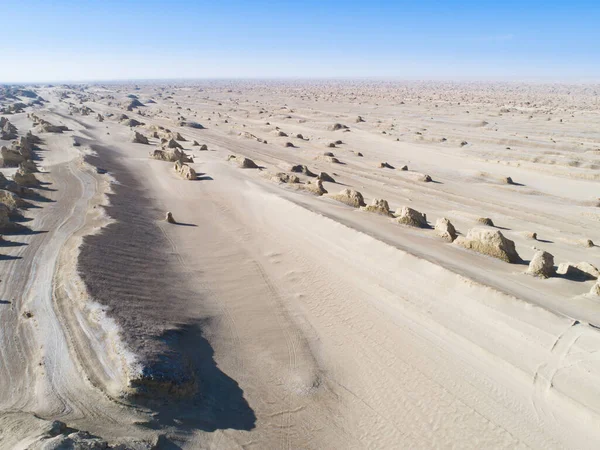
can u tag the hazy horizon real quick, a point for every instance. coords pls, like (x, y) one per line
(69, 41)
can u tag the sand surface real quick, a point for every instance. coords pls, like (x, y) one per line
(270, 317)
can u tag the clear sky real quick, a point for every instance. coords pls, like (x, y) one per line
(70, 40)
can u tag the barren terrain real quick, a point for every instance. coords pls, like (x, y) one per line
(275, 313)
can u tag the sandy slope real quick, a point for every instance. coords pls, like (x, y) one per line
(306, 323)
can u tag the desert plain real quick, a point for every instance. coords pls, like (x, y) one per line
(346, 265)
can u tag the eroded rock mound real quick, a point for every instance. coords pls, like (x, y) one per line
(45, 126)
(251, 136)
(28, 166)
(10, 158)
(338, 126)
(132, 123)
(282, 177)
(171, 155)
(445, 229)
(350, 197)
(378, 206)
(491, 243)
(411, 217)
(169, 218)
(139, 138)
(10, 199)
(314, 187)
(303, 170)
(582, 271)
(185, 171)
(324, 176)
(486, 221)
(595, 289)
(7, 130)
(22, 178)
(243, 162)
(542, 265)
(135, 103)
(171, 143)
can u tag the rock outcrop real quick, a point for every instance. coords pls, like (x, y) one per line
(350, 197)
(11, 200)
(411, 217)
(378, 206)
(7, 130)
(338, 126)
(303, 170)
(485, 221)
(23, 178)
(578, 271)
(542, 265)
(282, 177)
(445, 229)
(324, 176)
(491, 243)
(171, 155)
(185, 171)
(314, 187)
(171, 143)
(243, 162)
(10, 158)
(139, 138)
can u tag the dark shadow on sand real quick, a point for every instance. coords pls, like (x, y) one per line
(4, 243)
(218, 403)
(22, 230)
(37, 197)
(9, 257)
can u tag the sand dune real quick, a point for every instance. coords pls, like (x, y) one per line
(269, 317)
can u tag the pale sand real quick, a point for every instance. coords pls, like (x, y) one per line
(299, 321)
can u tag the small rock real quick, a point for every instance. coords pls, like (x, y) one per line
(542, 265)
(486, 221)
(445, 229)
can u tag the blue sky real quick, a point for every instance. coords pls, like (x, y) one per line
(479, 40)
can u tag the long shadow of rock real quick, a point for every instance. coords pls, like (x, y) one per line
(218, 401)
(17, 229)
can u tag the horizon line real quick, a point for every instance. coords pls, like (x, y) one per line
(523, 80)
